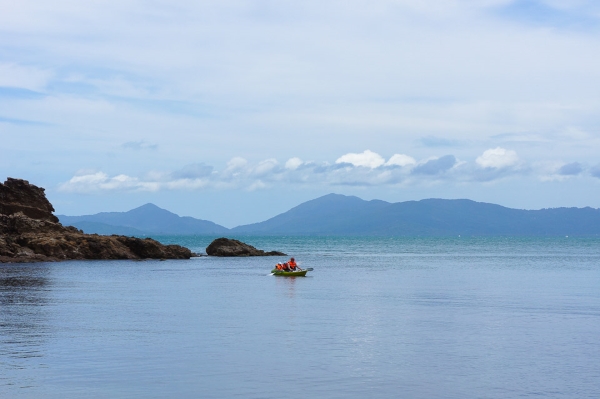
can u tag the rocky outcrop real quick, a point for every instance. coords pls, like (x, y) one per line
(18, 195)
(229, 247)
(29, 232)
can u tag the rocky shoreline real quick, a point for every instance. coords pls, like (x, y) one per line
(29, 232)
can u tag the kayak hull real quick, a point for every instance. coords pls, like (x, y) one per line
(299, 273)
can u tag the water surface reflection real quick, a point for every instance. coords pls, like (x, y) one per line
(24, 327)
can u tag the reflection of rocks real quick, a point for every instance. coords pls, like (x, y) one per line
(29, 232)
(23, 303)
(22, 284)
(26, 282)
(229, 247)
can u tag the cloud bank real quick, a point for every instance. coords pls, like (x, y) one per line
(353, 169)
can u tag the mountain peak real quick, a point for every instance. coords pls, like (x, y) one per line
(336, 196)
(148, 206)
(147, 219)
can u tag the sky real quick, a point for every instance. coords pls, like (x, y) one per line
(235, 111)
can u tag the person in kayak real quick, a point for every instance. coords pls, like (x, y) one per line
(279, 266)
(293, 265)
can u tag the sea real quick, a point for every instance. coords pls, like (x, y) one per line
(377, 317)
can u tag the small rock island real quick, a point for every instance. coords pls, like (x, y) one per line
(29, 232)
(229, 247)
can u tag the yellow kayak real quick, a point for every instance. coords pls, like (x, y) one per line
(297, 273)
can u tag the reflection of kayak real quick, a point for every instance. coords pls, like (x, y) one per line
(300, 273)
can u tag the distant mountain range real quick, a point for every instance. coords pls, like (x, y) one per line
(335, 214)
(148, 219)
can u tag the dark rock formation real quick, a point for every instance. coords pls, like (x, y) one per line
(29, 232)
(229, 247)
(18, 195)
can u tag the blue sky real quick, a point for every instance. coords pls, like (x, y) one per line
(234, 111)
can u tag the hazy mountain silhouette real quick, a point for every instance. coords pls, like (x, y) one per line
(145, 220)
(107, 229)
(336, 214)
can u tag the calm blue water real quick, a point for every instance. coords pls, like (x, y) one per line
(378, 317)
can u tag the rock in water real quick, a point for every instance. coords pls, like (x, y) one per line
(229, 247)
(29, 232)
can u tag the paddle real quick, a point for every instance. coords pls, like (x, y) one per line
(308, 269)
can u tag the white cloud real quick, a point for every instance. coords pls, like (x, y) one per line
(367, 159)
(236, 164)
(498, 158)
(265, 167)
(293, 163)
(99, 181)
(366, 171)
(400, 160)
(85, 177)
(257, 185)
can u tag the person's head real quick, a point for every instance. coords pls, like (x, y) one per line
(292, 259)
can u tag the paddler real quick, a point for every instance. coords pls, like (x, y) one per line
(292, 264)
